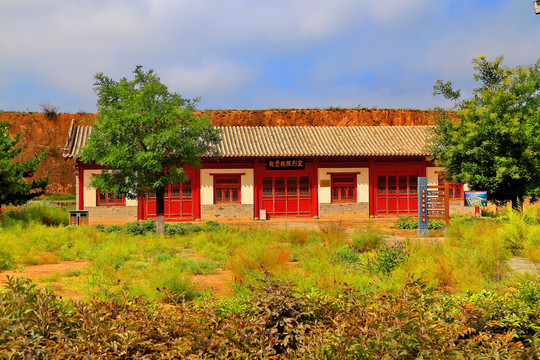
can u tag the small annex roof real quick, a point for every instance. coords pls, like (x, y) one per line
(306, 141)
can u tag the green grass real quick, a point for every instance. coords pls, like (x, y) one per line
(58, 197)
(39, 211)
(474, 256)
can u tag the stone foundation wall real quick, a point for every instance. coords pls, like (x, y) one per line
(344, 210)
(457, 207)
(227, 212)
(108, 215)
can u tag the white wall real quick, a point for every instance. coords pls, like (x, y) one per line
(89, 193)
(432, 176)
(246, 181)
(362, 183)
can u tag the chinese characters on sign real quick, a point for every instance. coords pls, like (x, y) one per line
(433, 203)
(422, 206)
(281, 164)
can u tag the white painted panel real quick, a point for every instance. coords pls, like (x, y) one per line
(432, 175)
(362, 183)
(89, 193)
(207, 184)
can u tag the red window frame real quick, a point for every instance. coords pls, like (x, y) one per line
(343, 188)
(455, 190)
(227, 184)
(108, 199)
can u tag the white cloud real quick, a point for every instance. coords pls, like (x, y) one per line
(213, 77)
(236, 51)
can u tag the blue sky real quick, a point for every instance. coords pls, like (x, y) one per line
(245, 54)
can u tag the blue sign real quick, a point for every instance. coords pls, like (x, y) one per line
(475, 198)
(422, 205)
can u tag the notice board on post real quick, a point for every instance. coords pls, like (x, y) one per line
(433, 203)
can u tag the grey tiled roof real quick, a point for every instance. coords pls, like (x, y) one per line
(244, 141)
(324, 141)
(76, 139)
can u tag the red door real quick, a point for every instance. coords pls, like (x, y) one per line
(396, 193)
(178, 203)
(286, 194)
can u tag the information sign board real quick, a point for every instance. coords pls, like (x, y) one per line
(422, 206)
(475, 198)
(433, 203)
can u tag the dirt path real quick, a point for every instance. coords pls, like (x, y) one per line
(523, 265)
(219, 284)
(36, 272)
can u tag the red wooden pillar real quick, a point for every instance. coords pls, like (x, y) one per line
(81, 186)
(372, 187)
(196, 190)
(141, 203)
(256, 182)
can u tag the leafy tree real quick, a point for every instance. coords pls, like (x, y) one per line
(145, 135)
(492, 140)
(16, 188)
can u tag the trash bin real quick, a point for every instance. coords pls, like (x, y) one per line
(78, 217)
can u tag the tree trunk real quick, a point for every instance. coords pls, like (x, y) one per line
(160, 210)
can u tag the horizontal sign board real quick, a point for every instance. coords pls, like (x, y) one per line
(290, 164)
(475, 198)
(324, 183)
(436, 206)
(436, 212)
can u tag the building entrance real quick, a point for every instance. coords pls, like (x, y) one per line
(178, 203)
(396, 192)
(286, 194)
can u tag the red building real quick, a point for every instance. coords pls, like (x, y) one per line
(274, 172)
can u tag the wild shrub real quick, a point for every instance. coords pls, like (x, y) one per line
(211, 226)
(514, 231)
(283, 315)
(529, 292)
(334, 233)
(43, 212)
(406, 222)
(6, 261)
(50, 111)
(531, 246)
(411, 223)
(58, 197)
(112, 229)
(370, 239)
(274, 320)
(490, 254)
(140, 227)
(387, 258)
(177, 287)
(295, 236)
(259, 255)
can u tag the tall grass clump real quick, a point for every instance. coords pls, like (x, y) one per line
(370, 239)
(469, 259)
(43, 212)
(166, 282)
(255, 256)
(521, 229)
(58, 197)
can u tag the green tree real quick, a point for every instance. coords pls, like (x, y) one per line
(16, 185)
(491, 141)
(146, 136)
